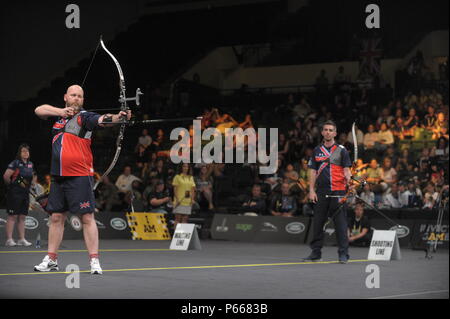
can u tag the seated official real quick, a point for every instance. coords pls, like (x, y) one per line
(159, 198)
(256, 203)
(284, 204)
(359, 231)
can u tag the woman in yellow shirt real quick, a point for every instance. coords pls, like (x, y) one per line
(184, 194)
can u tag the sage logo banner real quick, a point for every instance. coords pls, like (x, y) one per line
(212, 152)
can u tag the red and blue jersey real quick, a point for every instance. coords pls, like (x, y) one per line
(22, 176)
(71, 145)
(329, 164)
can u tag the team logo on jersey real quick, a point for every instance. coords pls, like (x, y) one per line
(85, 205)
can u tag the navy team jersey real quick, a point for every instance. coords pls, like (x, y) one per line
(71, 152)
(22, 176)
(329, 164)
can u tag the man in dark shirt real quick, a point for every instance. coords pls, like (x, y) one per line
(330, 176)
(359, 231)
(159, 198)
(256, 203)
(284, 204)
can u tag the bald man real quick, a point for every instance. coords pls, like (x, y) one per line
(72, 173)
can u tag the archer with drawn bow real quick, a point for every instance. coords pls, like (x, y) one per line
(330, 175)
(72, 172)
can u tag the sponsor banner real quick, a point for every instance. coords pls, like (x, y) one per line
(259, 228)
(404, 234)
(282, 229)
(110, 225)
(427, 232)
(35, 222)
(148, 226)
(234, 227)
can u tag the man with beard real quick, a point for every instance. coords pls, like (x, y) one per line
(72, 173)
(330, 175)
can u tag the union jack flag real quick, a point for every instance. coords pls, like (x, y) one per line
(85, 205)
(370, 55)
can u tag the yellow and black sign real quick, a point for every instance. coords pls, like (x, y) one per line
(148, 226)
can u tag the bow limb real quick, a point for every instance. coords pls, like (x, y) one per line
(123, 107)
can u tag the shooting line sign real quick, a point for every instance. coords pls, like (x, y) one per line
(384, 246)
(185, 237)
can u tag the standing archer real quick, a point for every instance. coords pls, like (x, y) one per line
(72, 172)
(330, 175)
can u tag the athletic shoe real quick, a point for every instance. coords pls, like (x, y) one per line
(343, 259)
(47, 265)
(23, 242)
(95, 267)
(10, 243)
(314, 257)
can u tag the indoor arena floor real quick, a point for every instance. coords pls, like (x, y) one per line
(220, 270)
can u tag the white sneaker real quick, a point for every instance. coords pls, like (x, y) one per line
(47, 265)
(10, 243)
(23, 242)
(95, 266)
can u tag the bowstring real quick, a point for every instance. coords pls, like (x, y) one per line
(90, 65)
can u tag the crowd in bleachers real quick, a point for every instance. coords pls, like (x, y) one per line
(402, 143)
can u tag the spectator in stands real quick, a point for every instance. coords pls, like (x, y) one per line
(204, 183)
(159, 141)
(159, 199)
(429, 119)
(141, 156)
(385, 137)
(391, 154)
(430, 196)
(442, 149)
(160, 171)
(360, 170)
(302, 109)
(367, 195)
(303, 181)
(125, 180)
(404, 194)
(440, 128)
(291, 176)
(283, 204)
(437, 174)
(392, 199)
(385, 117)
(184, 194)
(370, 138)
(424, 173)
(47, 182)
(398, 129)
(424, 157)
(283, 145)
(322, 84)
(359, 228)
(36, 190)
(389, 173)
(374, 178)
(145, 139)
(411, 123)
(256, 203)
(414, 195)
(134, 198)
(107, 195)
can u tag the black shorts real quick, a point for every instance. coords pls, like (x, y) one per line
(71, 193)
(17, 203)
